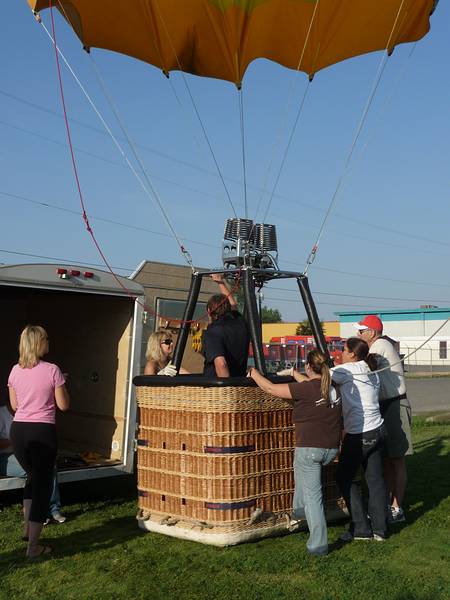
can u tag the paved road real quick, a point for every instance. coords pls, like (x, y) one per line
(428, 395)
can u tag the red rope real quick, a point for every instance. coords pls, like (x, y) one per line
(80, 194)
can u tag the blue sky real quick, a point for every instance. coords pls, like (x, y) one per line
(386, 244)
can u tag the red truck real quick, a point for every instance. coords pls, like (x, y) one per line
(290, 351)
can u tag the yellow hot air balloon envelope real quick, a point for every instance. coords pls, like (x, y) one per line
(220, 38)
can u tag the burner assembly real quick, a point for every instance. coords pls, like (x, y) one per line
(249, 244)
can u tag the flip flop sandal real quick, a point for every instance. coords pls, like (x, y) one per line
(45, 551)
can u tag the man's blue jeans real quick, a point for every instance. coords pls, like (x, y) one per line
(308, 500)
(10, 467)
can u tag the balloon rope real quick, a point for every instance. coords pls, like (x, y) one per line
(186, 255)
(80, 193)
(150, 191)
(286, 151)
(283, 123)
(313, 253)
(389, 99)
(197, 113)
(244, 170)
(74, 164)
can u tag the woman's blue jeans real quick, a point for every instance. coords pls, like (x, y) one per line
(364, 450)
(308, 500)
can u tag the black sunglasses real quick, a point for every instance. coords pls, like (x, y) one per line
(167, 342)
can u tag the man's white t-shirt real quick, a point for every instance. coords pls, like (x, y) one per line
(359, 392)
(392, 380)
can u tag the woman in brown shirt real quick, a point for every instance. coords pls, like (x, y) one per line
(317, 418)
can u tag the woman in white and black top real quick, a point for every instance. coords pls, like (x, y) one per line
(363, 442)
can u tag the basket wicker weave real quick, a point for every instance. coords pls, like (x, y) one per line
(218, 459)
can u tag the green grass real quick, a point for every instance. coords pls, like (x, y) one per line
(100, 553)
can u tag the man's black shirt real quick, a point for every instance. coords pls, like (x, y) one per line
(228, 337)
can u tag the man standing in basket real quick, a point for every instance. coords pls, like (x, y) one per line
(226, 339)
(394, 408)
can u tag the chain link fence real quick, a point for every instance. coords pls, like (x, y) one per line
(428, 359)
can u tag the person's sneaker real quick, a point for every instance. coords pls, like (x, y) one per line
(396, 515)
(57, 517)
(379, 538)
(347, 536)
(363, 537)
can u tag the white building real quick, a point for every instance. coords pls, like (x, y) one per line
(411, 328)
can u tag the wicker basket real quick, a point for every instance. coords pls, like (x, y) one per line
(215, 463)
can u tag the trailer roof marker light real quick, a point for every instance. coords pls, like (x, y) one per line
(62, 273)
(75, 273)
(88, 274)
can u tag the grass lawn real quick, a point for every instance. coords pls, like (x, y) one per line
(100, 552)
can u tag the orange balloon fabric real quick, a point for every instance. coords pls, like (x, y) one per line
(220, 38)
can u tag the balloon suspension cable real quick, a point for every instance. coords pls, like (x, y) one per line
(283, 122)
(197, 113)
(242, 124)
(286, 151)
(149, 189)
(384, 108)
(80, 193)
(381, 67)
(132, 145)
(186, 116)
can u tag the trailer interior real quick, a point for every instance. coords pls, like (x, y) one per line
(90, 341)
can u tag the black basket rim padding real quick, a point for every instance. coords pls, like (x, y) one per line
(198, 380)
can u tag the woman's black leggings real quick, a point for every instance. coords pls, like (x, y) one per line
(34, 445)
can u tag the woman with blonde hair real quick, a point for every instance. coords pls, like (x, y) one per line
(36, 388)
(159, 354)
(317, 420)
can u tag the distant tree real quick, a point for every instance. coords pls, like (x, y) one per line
(270, 315)
(304, 328)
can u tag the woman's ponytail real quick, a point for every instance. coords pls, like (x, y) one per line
(325, 382)
(372, 362)
(318, 363)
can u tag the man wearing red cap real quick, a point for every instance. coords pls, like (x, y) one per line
(395, 409)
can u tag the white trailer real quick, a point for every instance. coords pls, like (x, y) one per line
(95, 330)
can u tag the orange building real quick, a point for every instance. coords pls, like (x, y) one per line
(270, 330)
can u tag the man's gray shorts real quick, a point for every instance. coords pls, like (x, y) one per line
(397, 420)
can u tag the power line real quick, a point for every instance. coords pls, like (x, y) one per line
(299, 301)
(105, 160)
(174, 276)
(340, 294)
(371, 276)
(200, 169)
(292, 220)
(196, 191)
(61, 260)
(396, 231)
(103, 133)
(135, 227)
(110, 221)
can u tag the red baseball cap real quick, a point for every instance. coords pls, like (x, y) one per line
(370, 322)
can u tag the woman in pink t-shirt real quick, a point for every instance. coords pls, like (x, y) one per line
(36, 388)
